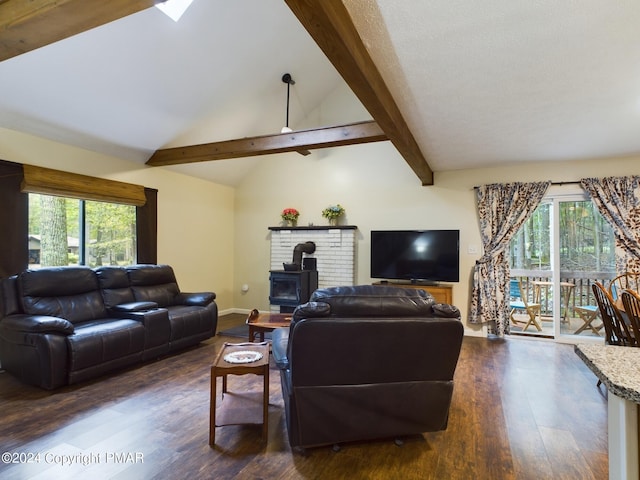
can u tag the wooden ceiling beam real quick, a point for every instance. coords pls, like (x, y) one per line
(29, 24)
(26, 25)
(330, 25)
(297, 141)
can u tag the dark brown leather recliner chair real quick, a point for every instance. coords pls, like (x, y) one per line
(367, 362)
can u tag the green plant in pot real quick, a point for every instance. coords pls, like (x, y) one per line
(333, 213)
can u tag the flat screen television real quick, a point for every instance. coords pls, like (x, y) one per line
(418, 256)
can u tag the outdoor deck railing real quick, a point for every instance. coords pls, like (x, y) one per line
(580, 294)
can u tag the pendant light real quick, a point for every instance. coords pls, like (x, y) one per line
(286, 78)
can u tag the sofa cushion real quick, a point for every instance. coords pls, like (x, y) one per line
(148, 274)
(375, 301)
(68, 292)
(153, 283)
(104, 340)
(114, 283)
(163, 295)
(187, 321)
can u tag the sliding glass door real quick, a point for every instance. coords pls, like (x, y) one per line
(586, 255)
(556, 257)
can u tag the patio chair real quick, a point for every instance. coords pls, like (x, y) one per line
(626, 281)
(588, 314)
(520, 304)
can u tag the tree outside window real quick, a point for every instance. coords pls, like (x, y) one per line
(65, 231)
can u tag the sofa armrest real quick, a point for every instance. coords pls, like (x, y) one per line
(444, 310)
(36, 324)
(198, 299)
(134, 307)
(279, 342)
(143, 316)
(311, 310)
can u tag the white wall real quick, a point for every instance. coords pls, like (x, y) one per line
(195, 218)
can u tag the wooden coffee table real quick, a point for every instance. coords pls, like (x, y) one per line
(266, 322)
(239, 408)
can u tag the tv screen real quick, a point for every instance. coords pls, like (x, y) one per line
(416, 255)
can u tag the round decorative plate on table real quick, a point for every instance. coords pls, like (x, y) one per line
(242, 356)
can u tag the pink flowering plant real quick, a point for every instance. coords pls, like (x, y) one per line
(290, 214)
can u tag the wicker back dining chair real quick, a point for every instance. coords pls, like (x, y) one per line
(631, 303)
(617, 331)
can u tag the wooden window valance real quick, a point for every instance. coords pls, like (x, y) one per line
(56, 182)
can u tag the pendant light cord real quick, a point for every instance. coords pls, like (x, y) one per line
(286, 78)
(287, 123)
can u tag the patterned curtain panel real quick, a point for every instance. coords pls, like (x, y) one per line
(502, 209)
(618, 200)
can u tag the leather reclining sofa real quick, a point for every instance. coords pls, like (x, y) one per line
(367, 362)
(64, 325)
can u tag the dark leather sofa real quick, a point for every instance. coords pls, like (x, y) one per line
(367, 362)
(63, 325)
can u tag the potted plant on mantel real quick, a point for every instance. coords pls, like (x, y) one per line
(290, 216)
(333, 213)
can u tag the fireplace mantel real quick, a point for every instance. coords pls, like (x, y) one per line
(317, 227)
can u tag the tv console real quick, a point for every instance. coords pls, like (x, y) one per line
(442, 293)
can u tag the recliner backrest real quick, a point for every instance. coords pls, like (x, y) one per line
(114, 284)
(375, 301)
(352, 351)
(71, 293)
(382, 334)
(153, 283)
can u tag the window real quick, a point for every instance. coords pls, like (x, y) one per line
(67, 231)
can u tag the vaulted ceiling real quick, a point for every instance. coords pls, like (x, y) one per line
(453, 84)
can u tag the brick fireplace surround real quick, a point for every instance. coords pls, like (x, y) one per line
(335, 251)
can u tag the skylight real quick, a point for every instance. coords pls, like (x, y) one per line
(174, 8)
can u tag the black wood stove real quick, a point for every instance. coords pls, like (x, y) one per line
(294, 285)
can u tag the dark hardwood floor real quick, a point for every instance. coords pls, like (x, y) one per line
(522, 409)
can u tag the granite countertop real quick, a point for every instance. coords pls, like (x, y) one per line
(617, 367)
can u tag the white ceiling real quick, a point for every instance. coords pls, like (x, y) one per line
(498, 81)
(479, 83)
